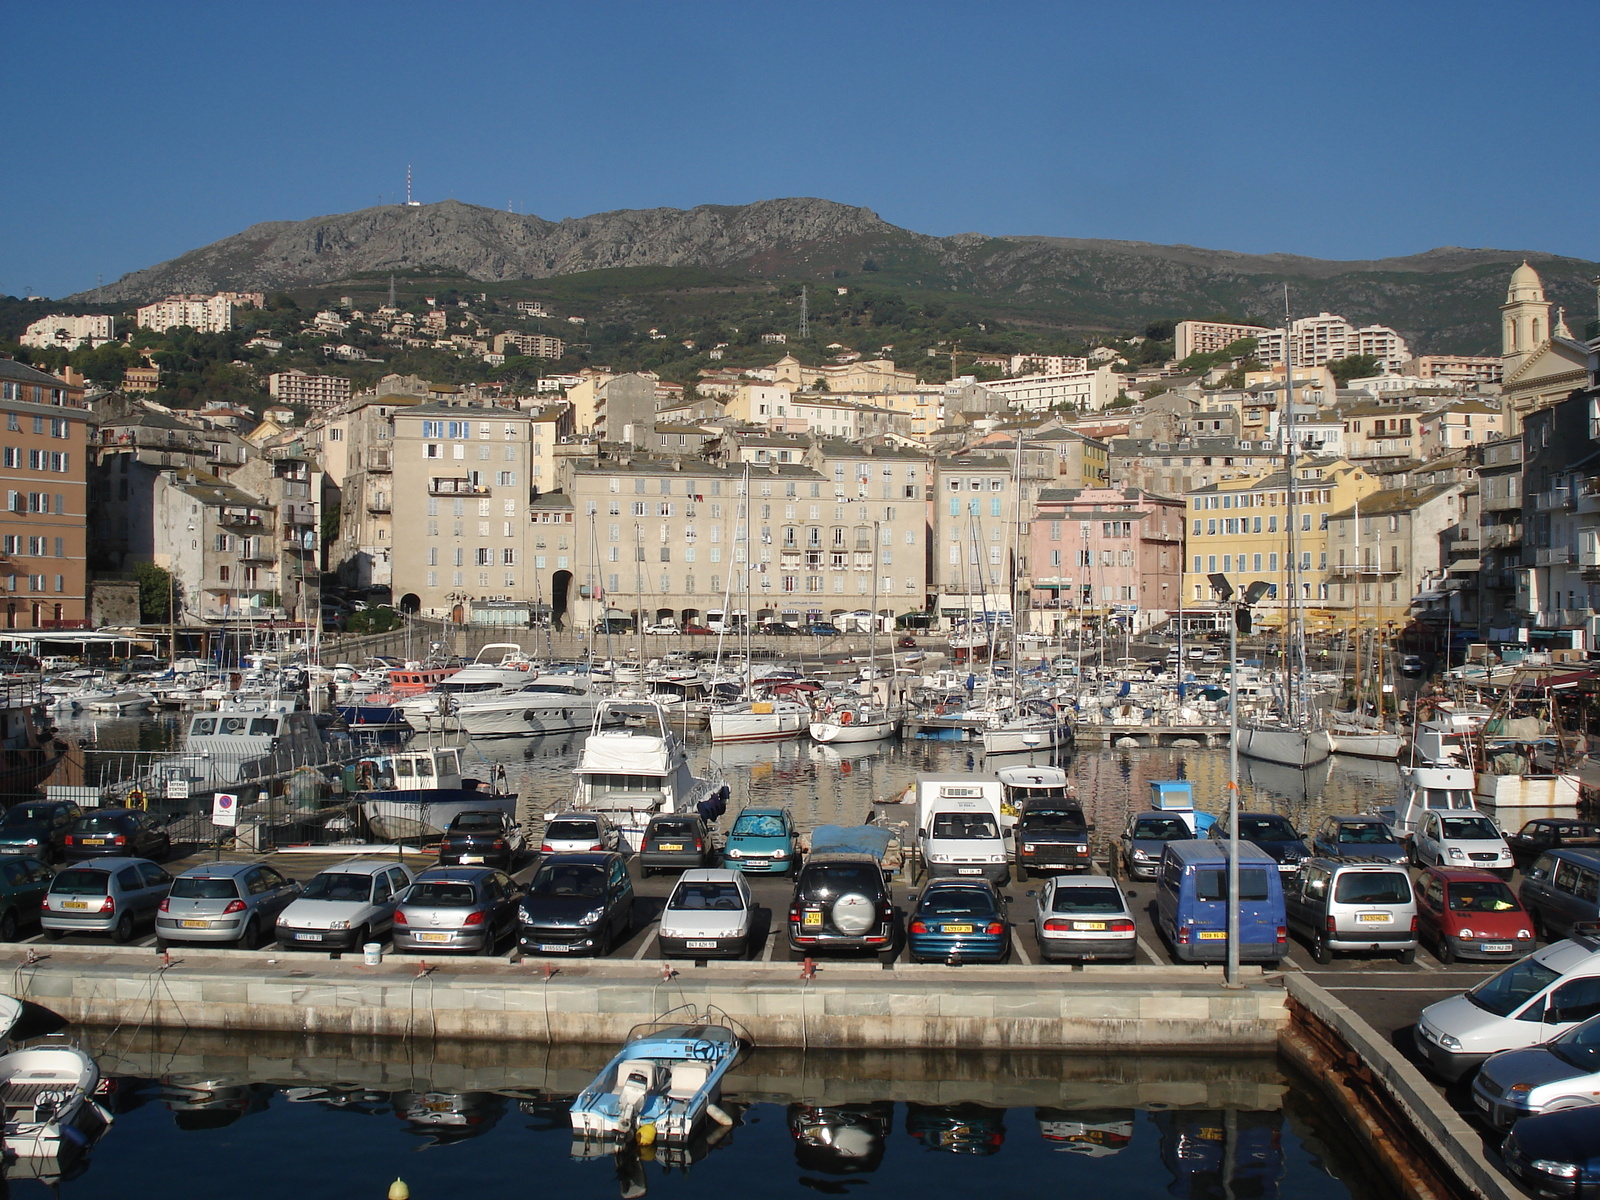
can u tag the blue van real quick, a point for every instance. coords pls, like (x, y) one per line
(1191, 908)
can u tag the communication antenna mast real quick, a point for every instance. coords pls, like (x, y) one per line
(410, 203)
(805, 313)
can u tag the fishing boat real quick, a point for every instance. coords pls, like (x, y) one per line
(633, 766)
(667, 1077)
(415, 793)
(29, 749)
(1355, 734)
(251, 741)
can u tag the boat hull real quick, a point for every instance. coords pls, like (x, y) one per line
(524, 719)
(758, 727)
(412, 815)
(1367, 745)
(1289, 747)
(873, 730)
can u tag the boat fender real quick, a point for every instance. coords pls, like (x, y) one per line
(846, 717)
(646, 1134)
(717, 1115)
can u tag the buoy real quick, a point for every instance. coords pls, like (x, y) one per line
(717, 1115)
(647, 1134)
(399, 1191)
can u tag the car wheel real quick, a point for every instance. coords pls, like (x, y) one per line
(1319, 948)
(1444, 951)
(124, 930)
(250, 937)
(1407, 957)
(363, 936)
(1541, 931)
(8, 927)
(54, 935)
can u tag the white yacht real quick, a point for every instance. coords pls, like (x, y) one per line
(759, 720)
(546, 704)
(246, 741)
(634, 766)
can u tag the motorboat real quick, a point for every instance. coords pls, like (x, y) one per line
(47, 1090)
(1029, 726)
(1425, 788)
(759, 720)
(1018, 785)
(246, 741)
(853, 721)
(415, 793)
(633, 766)
(667, 1076)
(545, 704)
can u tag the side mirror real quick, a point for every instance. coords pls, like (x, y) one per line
(1552, 1015)
(1090, 827)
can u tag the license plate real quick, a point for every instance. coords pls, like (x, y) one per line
(433, 937)
(195, 924)
(958, 928)
(1213, 935)
(94, 841)
(670, 846)
(1373, 918)
(74, 904)
(701, 945)
(308, 937)
(969, 870)
(812, 918)
(1481, 1101)
(1089, 925)
(471, 858)
(552, 947)
(1497, 947)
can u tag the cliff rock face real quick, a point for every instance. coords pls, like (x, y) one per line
(1442, 299)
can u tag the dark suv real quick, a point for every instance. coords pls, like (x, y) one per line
(118, 833)
(675, 842)
(1052, 837)
(38, 828)
(841, 902)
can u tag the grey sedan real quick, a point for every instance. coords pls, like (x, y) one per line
(234, 904)
(456, 908)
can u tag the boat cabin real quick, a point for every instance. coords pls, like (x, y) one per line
(409, 770)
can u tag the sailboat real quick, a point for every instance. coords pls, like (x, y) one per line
(1355, 733)
(1296, 738)
(851, 719)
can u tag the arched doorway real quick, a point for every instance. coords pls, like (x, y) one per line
(410, 603)
(560, 590)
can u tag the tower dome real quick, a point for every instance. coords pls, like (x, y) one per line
(1525, 285)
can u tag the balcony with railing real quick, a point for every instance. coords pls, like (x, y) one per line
(239, 518)
(1551, 556)
(1552, 499)
(456, 487)
(1501, 536)
(379, 504)
(260, 552)
(380, 460)
(1368, 568)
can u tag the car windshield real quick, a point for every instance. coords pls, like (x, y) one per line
(569, 879)
(572, 831)
(26, 814)
(1099, 899)
(336, 885)
(80, 882)
(758, 826)
(1373, 887)
(1508, 991)
(1365, 833)
(198, 887)
(956, 902)
(442, 893)
(964, 826)
(1160, 829)
(703, 895)
(672, 827)
(1486, 896)
(1579, 1047)
(1211, 883)
(1266, 829)
(1047, 819)
(473, 821)
(1470, 829)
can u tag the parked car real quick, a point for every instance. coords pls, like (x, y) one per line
(675, 842)
(841, 902)
(116, 833)
(1470, 914)
(235, 903)
(23, 884)
(1467, 839)
(1411, 665)
(907, 643)
(577, 832)
(959, 920)
(344, 907)
(471, 909)
(1356, 836)
(1192, 908)
(577, 904)
(821, 629)
(38, 828)
(1532, 840)
(614, 625)
(1560, 1074)
(709, 914)
(109, 895)
(663, 628)
(699, 630)
(762, 840)
(1145, 838)
(1270, 833)
(1530, 1001)
(1084, 917)
(1562, 889)
(1050, 837)
(488, 837)
(1557, 1154)
(1343, 907)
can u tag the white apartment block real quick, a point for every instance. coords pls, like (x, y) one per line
(1086, 391)
(1207, 337)
(69, 332)
(531, 345)
(316, 392)
(204, 314)
(1326, 337)
(1046, 364)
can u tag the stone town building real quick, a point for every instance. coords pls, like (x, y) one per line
(1096, 552)
(1385, 549)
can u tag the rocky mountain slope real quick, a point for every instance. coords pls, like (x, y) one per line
(1443, 299)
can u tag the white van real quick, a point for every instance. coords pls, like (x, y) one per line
(959, 829)
(1529, 1002)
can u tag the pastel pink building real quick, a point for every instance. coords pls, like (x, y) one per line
(1099, 551)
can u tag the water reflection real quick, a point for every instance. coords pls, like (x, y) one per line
(957, 1128)
(1093, 1133)
(444, 1118)
(1230, 1153)
(840, 1139)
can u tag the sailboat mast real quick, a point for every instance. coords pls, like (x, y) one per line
(1291, 641)
(1357, 606)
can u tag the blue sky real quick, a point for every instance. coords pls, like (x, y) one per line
(1353, 130)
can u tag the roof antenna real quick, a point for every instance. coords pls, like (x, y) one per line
(410, 203)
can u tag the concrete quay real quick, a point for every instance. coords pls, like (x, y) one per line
(846, 1005)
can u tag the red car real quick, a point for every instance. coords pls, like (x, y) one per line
(1464, 913)
(701, 629)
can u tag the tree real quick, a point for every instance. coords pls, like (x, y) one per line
(374, 620)
(1357, 366)
(157, 591)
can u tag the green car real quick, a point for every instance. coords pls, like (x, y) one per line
(761, 840)
(23, 883)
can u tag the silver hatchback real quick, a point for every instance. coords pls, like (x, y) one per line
(471, 909)
(231, 903)
(106, 895)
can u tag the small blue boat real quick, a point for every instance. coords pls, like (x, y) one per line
(667, 1076)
